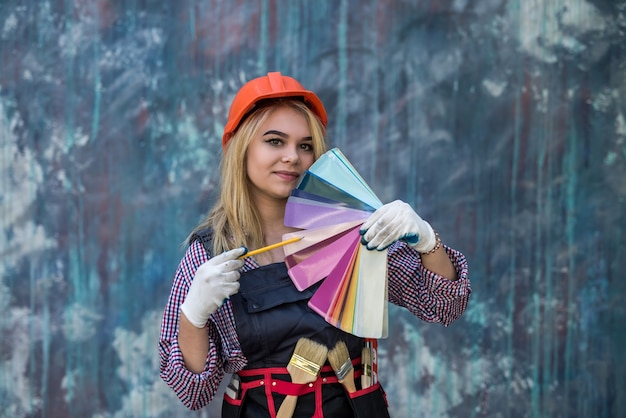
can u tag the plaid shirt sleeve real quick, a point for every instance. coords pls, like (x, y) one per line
(427, 295)
(224, 356)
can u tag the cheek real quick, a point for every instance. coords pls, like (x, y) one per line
(307, 160)
(252, 159)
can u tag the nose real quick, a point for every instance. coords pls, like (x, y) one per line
(290, 155)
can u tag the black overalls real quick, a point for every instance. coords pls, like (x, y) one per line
(271, 315)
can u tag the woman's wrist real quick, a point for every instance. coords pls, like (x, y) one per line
(436, 247)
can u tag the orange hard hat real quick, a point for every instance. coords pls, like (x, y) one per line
(271, 86)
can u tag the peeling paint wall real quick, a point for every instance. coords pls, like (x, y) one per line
(503, 122)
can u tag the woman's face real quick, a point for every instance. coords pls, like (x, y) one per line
(278, 155)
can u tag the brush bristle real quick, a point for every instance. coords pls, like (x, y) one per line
(339, 358)
(311, 351)
(338, 355)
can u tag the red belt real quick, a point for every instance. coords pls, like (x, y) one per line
(273, 380)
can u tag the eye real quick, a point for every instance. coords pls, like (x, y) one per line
(274, 141)
(306, 146)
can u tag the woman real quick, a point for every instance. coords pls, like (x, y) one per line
(243, 316)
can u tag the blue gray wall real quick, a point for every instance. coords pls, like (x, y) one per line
(502, 121)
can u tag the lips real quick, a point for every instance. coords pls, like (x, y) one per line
(287, 175)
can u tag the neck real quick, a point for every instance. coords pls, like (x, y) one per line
(272, 213)
(272, 223)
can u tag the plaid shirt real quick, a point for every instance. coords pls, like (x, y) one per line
(427, 295)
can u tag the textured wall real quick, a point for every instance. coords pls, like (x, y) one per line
(502, 121)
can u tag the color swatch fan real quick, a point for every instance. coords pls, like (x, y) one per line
(330, 204)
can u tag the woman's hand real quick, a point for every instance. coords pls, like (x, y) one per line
(397, 221)
(214, 281)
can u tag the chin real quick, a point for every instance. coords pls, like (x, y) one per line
(284, 196)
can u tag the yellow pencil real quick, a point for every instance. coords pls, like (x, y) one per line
(271, 247)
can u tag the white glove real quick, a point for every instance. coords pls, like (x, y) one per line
(395, 221)
(213, 282)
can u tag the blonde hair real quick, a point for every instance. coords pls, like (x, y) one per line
(234, 218)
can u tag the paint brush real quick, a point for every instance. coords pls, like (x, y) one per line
(304, 367)
(366, 366)
(271, 247)
(339, 358)
(372, 344)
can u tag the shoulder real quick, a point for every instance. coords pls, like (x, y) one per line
(203, 236)
(194, 257)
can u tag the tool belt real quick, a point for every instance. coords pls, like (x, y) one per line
(260, 392)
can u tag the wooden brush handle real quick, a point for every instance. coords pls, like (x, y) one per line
(366, 381)
(348, 383)
(287, 407)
